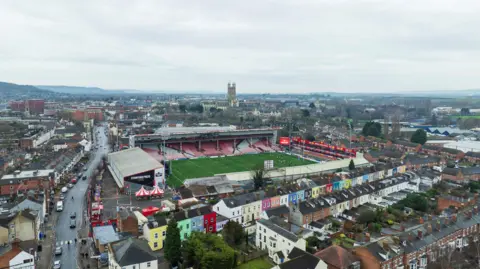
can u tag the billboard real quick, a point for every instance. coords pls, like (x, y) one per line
(284, 141)
(160, 176)
(146, 178)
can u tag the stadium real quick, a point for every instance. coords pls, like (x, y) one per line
(193, 152)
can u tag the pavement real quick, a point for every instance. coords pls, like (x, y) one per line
(63, 233)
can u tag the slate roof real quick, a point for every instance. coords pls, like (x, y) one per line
(243, 199)
(450, 171)
(300, 259)
(473, 154)
(132, 251)
(277, 211)
(336, 256)
(451, 151)
(406, 143)
(277, 229)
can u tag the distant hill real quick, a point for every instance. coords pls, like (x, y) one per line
(15, 89)
(80, 90)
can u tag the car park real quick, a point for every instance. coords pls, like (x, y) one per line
(58, 251)
(73, 215)
(73, 223)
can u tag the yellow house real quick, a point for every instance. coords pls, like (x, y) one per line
(155, 232)
(20, 226)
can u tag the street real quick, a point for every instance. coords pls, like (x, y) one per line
(63, 232)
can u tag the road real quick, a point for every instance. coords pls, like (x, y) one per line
(62, 227)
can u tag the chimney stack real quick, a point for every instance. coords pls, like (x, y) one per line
(438, 225)
(430, 217)
(446, 221)
(454, 218)
(429, 228)
(475, 208)
(420, 220)
(419, 234)
(367, 237)
(402, 228)
(410, 237)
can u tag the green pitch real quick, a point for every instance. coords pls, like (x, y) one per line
(205, 167)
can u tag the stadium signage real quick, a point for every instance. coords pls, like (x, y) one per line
(323, 145)
(146, 178)
(284, 141)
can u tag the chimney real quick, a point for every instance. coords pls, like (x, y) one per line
(470, 214)
(419, 234)
(446, 221)
(475, 208)
(410, 237)
(438, 225)
(430, 217)
(385, 245)
(402, 228)
(454, 218)
(420, 220)
(367, 237)
(429, 228)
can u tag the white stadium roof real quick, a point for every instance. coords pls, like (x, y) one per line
(132, 161)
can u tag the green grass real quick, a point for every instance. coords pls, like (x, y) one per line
(258, 263)
(205, 167)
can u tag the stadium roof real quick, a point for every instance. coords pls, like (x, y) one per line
(132, 161)
(197, 129)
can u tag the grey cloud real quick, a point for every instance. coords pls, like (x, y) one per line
(276, 46)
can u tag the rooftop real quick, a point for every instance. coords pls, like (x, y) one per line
(132, 161)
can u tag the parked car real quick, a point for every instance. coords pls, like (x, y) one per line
(84, 177)
(73, 223)
(70, 185)
(58, 251)
(85, 169)
(57, 265)
(73, 215)
(64, 189)
(62, 197)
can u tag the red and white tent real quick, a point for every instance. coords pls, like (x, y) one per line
(156, 191)
(142, 193)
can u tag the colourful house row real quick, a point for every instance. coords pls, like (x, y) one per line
(247, 208)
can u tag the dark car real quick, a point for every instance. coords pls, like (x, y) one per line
(73, 215)
(73, 223)
(84, 177)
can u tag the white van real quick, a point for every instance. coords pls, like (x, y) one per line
(59, 206)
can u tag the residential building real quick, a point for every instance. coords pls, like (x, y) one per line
(461, 175)
(131, 253)
(13, 257)
(23, 181)
(155, 232)
(277, 240)
(472, 156)
(127, 222)
(209, 219)
(337, 257)
(298, 258)
(184, 224)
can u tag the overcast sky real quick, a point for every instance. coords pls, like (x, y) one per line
(264, 46)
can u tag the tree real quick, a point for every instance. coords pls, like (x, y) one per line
(351, 165)
(182, 108)
(207, 251)
(258, 178)
(311, 105)
(305, 113)
(173, 243)
(434, 120)
(419, 136)
(233, 233)
(372, 129)
(366, 217)
(309, 137)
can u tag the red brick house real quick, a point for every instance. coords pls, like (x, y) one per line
(461, 175)
(127, 222)
(473, 157)
(445, 201)
(453, 154)
(337, 257)
(25, 181)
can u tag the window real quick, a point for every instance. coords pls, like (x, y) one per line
(188, 226)
(133, 267)
(274, 245)
(218, 209)
(210, 229)
(155, 235)
(164, 233)
(260, 236)
(155, 244)
(185, 235)
(206, 221)
(148, 264)
(211, 220)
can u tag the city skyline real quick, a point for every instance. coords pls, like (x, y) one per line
(266, 47)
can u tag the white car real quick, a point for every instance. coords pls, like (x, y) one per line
(64, 189)
(70, 185)
(57, 265)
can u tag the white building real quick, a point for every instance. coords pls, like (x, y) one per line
(21, 259)
(277, 240)
(131, 253)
